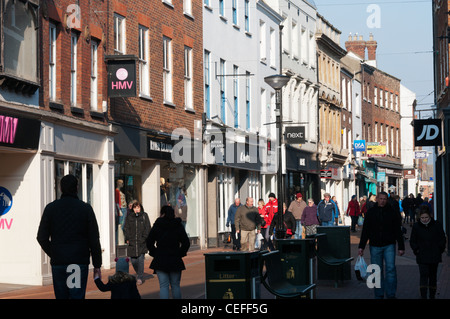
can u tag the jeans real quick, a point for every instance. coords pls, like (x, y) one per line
(298, 229)
(169, 278)
(70, 281)
(389, 274)
(328, 223)
(138, 266)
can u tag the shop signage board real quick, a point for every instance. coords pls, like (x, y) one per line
(121, 76)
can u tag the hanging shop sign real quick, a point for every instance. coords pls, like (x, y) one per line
(121, 75)
(295, 134)
(427, 132)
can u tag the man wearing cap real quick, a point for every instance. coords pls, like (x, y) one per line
(296, 208)
(327, 211)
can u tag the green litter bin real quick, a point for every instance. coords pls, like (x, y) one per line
(338, 244)
(299, 261)
(232, 275)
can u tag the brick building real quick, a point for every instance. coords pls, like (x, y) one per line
(164, 39)
(54, 127)
(380, 109)
(441, 24)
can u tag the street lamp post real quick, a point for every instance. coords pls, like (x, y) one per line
(277, 82)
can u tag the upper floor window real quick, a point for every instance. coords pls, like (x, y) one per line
(143, 62)
(73, 68)
(247, 15)
(167, 69)
(52, 62)
(94, 76)
(187, 7)
(119, 34)
(188, 95)
(20, 36)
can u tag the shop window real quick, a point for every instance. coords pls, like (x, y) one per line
(83, 172)
(180, 188)
(19, 24)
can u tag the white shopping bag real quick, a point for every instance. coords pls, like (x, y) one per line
(360, 268)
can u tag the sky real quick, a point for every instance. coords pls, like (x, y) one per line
(403, 31)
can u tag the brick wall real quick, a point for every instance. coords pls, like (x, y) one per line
(92, 26)
(169, 20)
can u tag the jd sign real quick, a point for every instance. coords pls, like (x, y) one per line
(427, 133)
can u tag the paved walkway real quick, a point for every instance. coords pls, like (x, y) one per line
(193, 280)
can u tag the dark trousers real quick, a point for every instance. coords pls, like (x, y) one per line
(236, 241)
(354, 222)
(70, 281)
(428, 280)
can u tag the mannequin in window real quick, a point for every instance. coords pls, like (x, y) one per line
(163, 189)
(121, 209)
(181, 209)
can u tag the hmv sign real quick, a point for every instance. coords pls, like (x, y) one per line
(427, 132)
(121, 76)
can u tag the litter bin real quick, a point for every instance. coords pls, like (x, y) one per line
(299, 261)
(338, 245)
(232, 275)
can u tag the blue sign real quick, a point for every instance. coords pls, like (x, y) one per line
(381, 177)
(6, 201)
(359, 145)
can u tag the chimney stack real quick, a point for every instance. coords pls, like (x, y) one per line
(357, 46)
(371, 48)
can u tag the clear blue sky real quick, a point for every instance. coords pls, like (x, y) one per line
(403, 31)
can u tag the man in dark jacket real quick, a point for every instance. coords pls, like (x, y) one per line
(68, 233)
(382, 228)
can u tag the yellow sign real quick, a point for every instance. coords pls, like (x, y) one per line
(376, 149)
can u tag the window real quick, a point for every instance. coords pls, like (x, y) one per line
(272, 49)
(187, 7)
(312, 53)
(52, 62)
(235, 95)
(73, 69)
(304, 45)
(295, 41)
(83, 172)
(221, 8)
(235, 12)
(20, 39)
(119, 34)
(188, 95)
(262, 41)
(207, 84)
(222, 90)
(167, 69)
(94, 75)
(247, 100)
(143, 62)
(375, 95)
(247, 16)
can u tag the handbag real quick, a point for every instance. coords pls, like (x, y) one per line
(360, 268)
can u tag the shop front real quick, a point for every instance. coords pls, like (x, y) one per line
(39, 152)
(302, 169)
(145, 171)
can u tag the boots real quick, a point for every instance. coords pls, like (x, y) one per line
(432, 292)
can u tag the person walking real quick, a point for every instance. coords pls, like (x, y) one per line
(247, 220)
(136, 229)
(265, 224)
(327, 211)
(309, 218)
(68, 233)
(354, 212)
(122, 285)
(168, 243)
(288, 221)
(296, 208)
(408, 208)
(428, 243)
(235, 236)
(382, 228)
